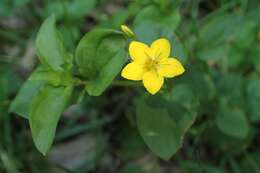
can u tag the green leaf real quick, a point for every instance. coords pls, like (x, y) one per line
(131, 145)
(8, 8)
(152, 23)
(148, 31)
(107, 74)
(116, 20)
(40, 77)
(253, 98)
(225, 87)
(159, 127)
(255, 57)
(55, 78)
(197, 76)
(216, 138)
(46, 109)
(158, 130)
(233, 123)
(164, 4)
(212, 52)
(231, 34)
(178, 49)
(71, 35)
(69, 9)
(221, 29)
(23, 100)
(100, 56)
(245, 35)
(154, 14)
(235, 56)
(80, 8)
(50, 48)
(3, 87)
(183, 93)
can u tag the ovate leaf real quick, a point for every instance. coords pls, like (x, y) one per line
(148, 31)
(79, 8)
(131, 144)
(233, 123)
(220, 29)
(22, 102)
(100, 56)
(152, 23)
(38, 79)
(49, 45)
(158, 130)
(225, 87)
(200, 82)
(70, 10)
(253, 98)
(161, 131)
(169, 20)
(107, 74)
(46, 109)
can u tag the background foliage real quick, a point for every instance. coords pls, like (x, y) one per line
(212, 111)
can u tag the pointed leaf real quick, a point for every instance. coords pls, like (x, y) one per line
(100, 56)
(160, 130)
(45, 112)
(233, 123)
(22, 102)
(49, 45)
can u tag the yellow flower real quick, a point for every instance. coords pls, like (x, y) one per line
(127, 31)
(151, 64)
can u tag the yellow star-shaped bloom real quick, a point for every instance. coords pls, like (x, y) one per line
(151, 64)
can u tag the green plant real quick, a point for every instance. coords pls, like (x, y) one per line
(205, 120)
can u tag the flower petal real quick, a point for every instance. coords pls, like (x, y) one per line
(138, 51)
(152, 81)
(133, 71)
(170, 67)
(161, 48)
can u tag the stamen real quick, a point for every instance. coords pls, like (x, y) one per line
(147, 55)
(160, 53)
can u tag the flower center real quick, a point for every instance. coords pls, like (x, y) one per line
(151, 64)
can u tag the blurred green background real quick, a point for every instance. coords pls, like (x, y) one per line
(218, 41)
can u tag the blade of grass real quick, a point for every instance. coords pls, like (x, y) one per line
(8, 163)
(11, 36)
(78, 129)
(253, 163)
(235, 167)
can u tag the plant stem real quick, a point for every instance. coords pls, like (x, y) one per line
(79, 82)
(114, 83)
